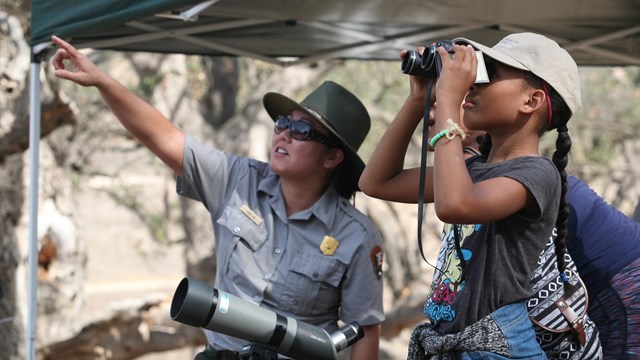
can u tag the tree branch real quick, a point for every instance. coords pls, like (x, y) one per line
(129, 332)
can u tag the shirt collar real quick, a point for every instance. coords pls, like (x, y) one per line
(324, 208)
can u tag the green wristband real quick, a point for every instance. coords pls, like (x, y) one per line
(437, 137)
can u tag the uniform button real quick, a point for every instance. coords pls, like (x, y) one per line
(315, 274)
(236, 229)
(256, 298)
(278, 251)
(265, 277)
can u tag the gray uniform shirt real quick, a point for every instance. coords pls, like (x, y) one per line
(276, 261)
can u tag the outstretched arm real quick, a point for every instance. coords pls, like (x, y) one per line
(143, 121)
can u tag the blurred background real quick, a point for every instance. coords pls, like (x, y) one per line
(115, 239)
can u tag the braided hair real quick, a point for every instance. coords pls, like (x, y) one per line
(560, 115)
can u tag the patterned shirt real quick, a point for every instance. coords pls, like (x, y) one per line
(499, 257)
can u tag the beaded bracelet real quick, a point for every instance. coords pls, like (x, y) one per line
(453, 130)
(437, 137)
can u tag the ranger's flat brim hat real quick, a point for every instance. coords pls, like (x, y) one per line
(339, 111)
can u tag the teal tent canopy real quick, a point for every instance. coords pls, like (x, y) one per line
(287, 32)
(70, 18)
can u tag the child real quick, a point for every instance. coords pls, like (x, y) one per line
(509, 200)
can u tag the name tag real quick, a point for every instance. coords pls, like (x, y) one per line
(251, 215)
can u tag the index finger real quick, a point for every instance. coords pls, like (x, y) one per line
(65, 45)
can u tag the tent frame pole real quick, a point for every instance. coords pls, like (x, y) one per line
(34, 156)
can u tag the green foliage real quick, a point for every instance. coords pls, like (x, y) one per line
(381, 87)
(609, 117)
(196, 78)
(608, 120)
(147, 85)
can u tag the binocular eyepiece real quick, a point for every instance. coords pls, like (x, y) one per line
(428, 63)
(197, 304)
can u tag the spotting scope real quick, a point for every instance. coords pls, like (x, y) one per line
(197, 304)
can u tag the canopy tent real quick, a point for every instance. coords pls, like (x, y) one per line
(289, 32)
(595, 32)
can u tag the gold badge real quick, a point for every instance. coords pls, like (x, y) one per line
(251, 215)
(329, 245)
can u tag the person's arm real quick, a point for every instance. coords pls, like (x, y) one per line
(367, 348)
(384, 176)
(457, 199)
(144, 122)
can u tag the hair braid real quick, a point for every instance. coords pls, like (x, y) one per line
(560, 116)
(560, 158)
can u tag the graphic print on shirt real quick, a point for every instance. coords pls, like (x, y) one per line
(446, 279)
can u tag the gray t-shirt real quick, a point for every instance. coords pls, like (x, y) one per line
(500, 256)
(289, 265)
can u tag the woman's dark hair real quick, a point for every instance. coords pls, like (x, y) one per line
(560, 115)
(342, 179)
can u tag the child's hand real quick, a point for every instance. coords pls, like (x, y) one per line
(457, 75)
(418, 84)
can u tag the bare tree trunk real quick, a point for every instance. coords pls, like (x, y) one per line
(11, 199)
(218, 104)
(14, 60)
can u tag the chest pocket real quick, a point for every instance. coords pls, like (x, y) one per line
(312, 285)
(246, 236)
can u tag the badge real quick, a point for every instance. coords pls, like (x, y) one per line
(251, 215)
(376, 260)
(329, 245)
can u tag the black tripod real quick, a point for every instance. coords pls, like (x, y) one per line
(255, 351)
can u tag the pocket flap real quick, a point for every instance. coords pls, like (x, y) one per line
(243, 226)
(319, 267)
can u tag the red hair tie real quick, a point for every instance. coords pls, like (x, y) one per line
(546, 92)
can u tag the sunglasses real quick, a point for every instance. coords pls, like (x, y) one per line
(301, 130)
